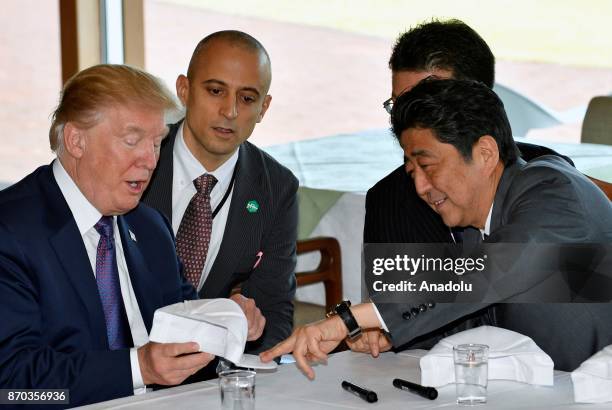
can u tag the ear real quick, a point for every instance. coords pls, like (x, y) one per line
(74, 140)
(182, 89)
(264, 107)
(486, 152)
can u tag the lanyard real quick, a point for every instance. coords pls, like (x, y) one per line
(227, 192)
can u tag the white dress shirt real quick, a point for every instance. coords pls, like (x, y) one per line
(487, 227)
(383, 325)
(86, 216)
(186, 168)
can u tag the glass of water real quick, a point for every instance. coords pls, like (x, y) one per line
(471, 373)
(237, 388)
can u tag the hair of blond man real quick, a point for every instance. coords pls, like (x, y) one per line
(103, 86)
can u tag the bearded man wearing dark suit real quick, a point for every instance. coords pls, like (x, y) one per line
(251, 211)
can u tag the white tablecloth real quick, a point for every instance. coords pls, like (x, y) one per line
(355, 162)
(288, 389)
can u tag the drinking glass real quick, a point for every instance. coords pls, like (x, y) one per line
(237, 388)
(471, 373)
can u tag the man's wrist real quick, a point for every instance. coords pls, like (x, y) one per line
(341, 331)
(142, 365)
(345, 314)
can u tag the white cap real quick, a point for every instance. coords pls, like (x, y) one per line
(217, 325)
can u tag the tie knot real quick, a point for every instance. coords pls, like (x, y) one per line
(105, 227)
(205, 183)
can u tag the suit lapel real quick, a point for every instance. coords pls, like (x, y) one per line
(242, 227)
(502, 191)
(67, 243)
(143, 281)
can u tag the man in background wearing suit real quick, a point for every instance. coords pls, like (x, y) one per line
(466, 167)
(438, 49)
(233, 207)
(83, 266)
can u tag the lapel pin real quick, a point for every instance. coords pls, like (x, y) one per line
(132, 236)
(252, 206)
(258, 259)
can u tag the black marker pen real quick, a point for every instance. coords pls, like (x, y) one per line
(367, 395)
(427, 392)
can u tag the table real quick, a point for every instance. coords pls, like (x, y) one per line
(354, 162)
(289, 389)
(335, 173)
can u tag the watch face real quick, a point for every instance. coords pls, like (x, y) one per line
(352, 327)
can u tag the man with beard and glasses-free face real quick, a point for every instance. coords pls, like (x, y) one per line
(465, 166)
(83, 266)
(233, 207)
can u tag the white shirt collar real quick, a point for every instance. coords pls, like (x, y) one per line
(187, 167)
(84, 213)
(487, 227)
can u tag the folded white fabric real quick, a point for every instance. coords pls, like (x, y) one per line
(217, 325)
(593, 379)
(512, 356)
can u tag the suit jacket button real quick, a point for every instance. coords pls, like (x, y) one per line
(406, 315)
(431, 305)
(415, 311)
(422, 308)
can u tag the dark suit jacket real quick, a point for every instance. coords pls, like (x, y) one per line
(396, 214)
(53, 332)
(272, 230)
(545, 201)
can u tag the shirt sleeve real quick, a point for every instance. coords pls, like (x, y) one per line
(137, 382)
(380, 319)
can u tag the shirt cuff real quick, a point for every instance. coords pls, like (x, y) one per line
(137, 382)
(380, 319)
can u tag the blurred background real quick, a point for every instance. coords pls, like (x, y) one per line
(329, 58)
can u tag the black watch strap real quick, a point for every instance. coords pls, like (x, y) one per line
(343, 310)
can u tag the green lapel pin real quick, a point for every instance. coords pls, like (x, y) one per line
(252, 206)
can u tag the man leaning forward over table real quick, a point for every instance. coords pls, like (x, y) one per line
(83, 265)
(465, 165)
(395, 213)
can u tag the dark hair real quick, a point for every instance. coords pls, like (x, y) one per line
(458, 112)
(234, 37)
(450, 45)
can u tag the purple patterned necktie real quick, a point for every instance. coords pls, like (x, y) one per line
(193, 236)
(107, 278)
